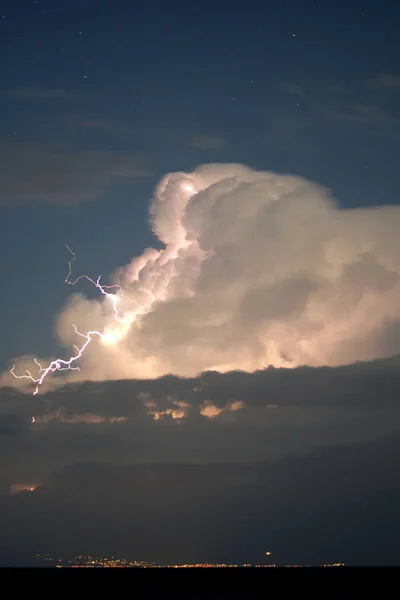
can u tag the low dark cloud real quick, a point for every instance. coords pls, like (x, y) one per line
(215, 417)
(43, 173)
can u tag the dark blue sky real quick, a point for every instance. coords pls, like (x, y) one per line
(100, 98)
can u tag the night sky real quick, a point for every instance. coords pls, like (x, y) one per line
(99, 101)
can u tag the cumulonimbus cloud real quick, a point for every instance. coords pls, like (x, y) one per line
(257, 269)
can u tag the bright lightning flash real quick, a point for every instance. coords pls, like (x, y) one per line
(108, 337)
(188, 187)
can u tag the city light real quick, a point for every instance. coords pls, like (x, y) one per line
(113, 562)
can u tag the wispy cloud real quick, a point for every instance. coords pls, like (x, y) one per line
(41, 94)
(292, 88)
(88, 123)
(107, 126)
(385, 81)
(360, 114)
(311, 88)
(206, 142)
(337, 89)
(39, 172)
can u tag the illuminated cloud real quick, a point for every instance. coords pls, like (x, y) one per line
(258, 269)
(211, 411)
(177, 410)
(61, 417)
(17, 488)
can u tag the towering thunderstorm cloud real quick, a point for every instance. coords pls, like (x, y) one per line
(258, 269)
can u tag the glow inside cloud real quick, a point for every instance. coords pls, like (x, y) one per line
(258, 269)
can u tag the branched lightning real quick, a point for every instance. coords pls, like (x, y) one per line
(58, 364)
(113, 297)
(68, 365)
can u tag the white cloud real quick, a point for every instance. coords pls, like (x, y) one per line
(258, 269)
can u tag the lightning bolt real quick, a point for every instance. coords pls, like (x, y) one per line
(60, 364)
(102, 288)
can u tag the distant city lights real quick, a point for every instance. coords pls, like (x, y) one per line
(90, 562)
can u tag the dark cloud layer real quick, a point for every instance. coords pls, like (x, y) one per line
(212, 418)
